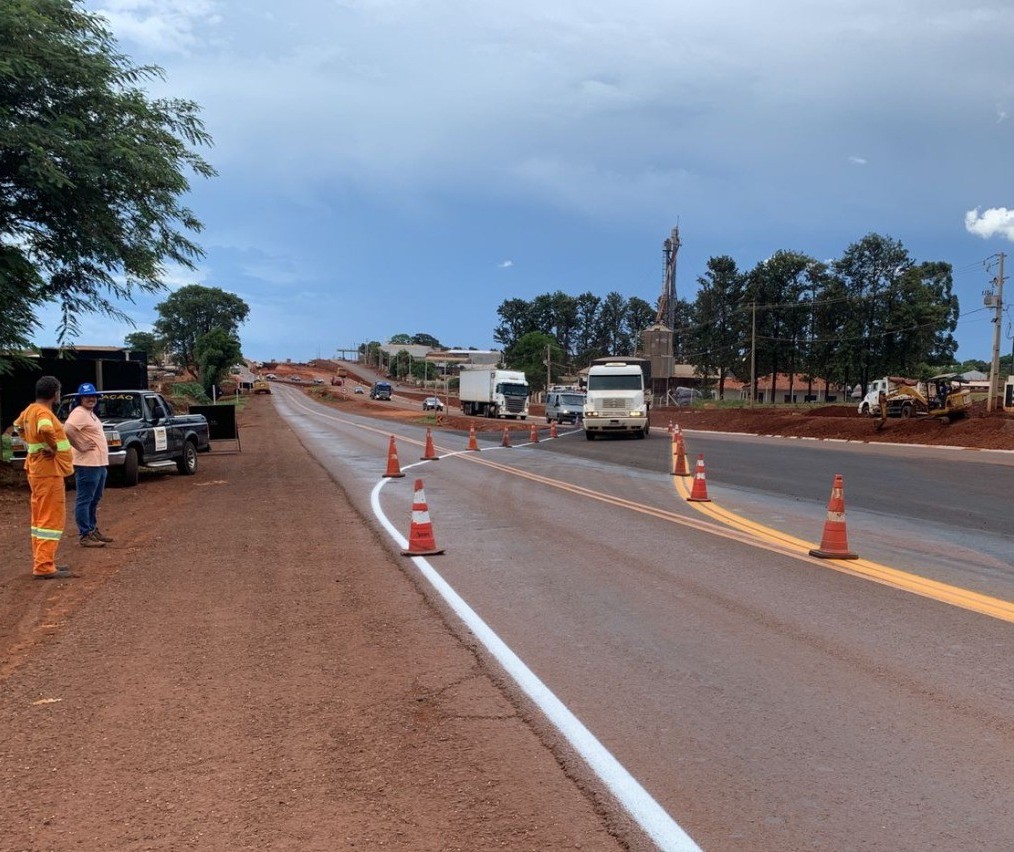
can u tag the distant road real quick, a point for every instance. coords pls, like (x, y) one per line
(766, 700)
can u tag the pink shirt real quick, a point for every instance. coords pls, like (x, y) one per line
(87, 440)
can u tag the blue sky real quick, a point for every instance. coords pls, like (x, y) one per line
(394, 166)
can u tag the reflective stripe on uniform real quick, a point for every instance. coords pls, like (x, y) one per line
(49, 535)
(62, 445)
(35, 448)
(45, 421)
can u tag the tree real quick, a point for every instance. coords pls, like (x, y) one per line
(401, 339)
(215, 352)
(193, 311)
(425, 340)
(717, 321)
(146, 342)
(92, 171)
(516, 320)
(529, 355)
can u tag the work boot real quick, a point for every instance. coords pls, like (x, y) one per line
(89, 540)
(95, 534)
(58, 574)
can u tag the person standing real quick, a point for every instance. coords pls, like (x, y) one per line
(91, 455)
(48, 462)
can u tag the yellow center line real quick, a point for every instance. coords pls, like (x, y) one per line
(874, 571)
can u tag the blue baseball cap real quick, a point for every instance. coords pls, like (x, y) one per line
(87, 389)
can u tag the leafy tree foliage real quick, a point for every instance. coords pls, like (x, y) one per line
(425, 340)
(92, 171)
(529, 354)
(216, 351)
(402, 339)
(194, 311)
(145, 341)
(717, 321)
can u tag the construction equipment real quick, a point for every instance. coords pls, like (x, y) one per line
(944, 397)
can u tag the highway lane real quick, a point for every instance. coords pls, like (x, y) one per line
(766, 701)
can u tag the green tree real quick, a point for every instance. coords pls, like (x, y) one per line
(425, 340)
(146, 342)
(717, 321)
(515, 321)
(216, 351)
(193, 311)
(92, 170)
(529, 355)
(400, 339)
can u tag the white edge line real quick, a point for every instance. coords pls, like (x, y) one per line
(646, 812)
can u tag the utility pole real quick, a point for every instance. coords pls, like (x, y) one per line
(549, 368)
(994, 369)
(753, 354)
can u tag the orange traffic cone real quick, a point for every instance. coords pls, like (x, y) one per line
(420, 537)
(835, 544)
(679, 452)
(699, 493)
(506, 442)
(670, 428)
(472, 443)
(552, 430)
(393, 468)
(534, 435)
(429, 454)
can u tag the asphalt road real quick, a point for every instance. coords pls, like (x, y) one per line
(766, 700)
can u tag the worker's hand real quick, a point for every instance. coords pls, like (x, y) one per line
(47, 452)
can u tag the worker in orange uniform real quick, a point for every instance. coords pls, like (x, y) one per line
(49, 461)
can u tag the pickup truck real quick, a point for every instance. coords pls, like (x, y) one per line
(141, 429)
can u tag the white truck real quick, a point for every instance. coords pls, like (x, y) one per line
(617, 400)
(870, 404)
(488, 392)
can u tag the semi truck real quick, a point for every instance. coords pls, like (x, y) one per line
(618, 398)
(489, 392)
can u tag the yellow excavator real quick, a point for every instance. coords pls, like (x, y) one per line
(944, 397)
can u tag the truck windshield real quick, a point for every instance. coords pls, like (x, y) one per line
(615, 383)
(513, 390)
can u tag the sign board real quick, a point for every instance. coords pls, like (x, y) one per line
(1008, 394)
(221, 419)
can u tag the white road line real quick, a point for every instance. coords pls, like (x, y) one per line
(646, 812)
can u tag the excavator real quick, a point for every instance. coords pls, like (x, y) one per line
(943, 397)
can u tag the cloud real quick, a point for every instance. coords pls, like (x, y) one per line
(161, 27)
(507, 264)
(994, 221)
(1001, 114)
(857, 161)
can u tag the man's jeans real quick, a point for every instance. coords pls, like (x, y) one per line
(90, 483)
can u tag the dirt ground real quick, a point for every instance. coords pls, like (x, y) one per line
(245, 668)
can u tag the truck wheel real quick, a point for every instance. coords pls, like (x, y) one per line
(864, 410)
(906, 412)
(589, 435)
(187, 463)
(128, 473)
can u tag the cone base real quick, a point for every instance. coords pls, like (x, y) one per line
(429, 458)
(698, 499)
(393, 475)
(834, 554)
(421, 552)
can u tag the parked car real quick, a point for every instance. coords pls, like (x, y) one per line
(359, 389)
(141, 428)
(431, 403)
(272, 377)
(319, 381)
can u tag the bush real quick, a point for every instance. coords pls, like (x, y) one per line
(190, 392)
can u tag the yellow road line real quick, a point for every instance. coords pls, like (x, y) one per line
(903, 580)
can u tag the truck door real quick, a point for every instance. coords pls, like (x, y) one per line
(162, 433)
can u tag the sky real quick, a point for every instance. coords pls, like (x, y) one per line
(405, 166)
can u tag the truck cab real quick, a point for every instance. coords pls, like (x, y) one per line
(380, 390)
(617, 400)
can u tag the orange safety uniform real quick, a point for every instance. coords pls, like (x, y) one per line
(43, 432)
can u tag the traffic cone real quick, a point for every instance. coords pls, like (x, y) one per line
(472, 443)
(670, 428)
(835, 544)
(393, 468)
(420, 536)
(429, 454)
(534, 435)
(679, 452)
(506, 442)
(699, 493)
(552, 430)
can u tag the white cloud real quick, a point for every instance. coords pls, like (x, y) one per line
(1001, 114)
(507, 264)
(992, 222)
(857, 161)
(162, 26)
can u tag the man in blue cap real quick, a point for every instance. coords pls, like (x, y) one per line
(91, 455)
